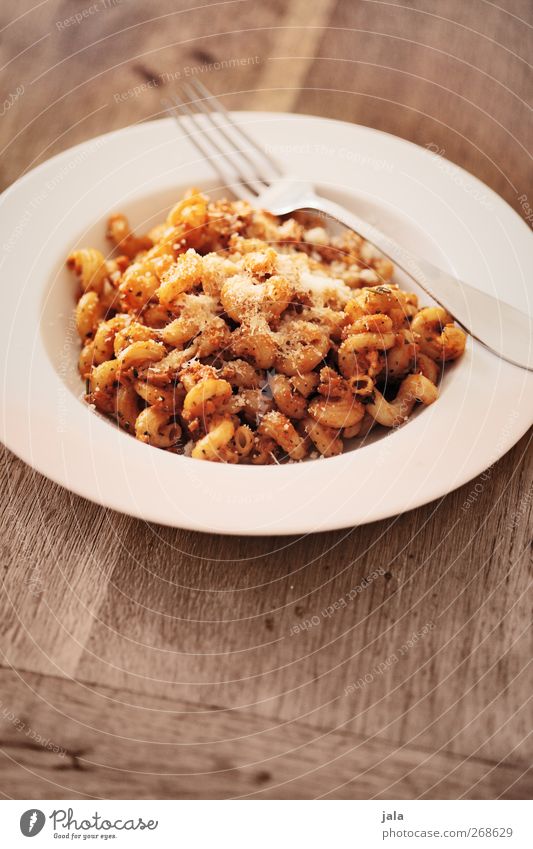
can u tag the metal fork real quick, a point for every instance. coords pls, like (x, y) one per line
(242, 164)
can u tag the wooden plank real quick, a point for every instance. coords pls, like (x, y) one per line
(122, 61)
(150, 632)
(307, 21)
(320, 684)
(58, 739)
(58, 552)
(453, 77)
(228, 643)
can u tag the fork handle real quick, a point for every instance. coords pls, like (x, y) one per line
(503, 329)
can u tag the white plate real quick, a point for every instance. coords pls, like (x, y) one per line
(430, 206)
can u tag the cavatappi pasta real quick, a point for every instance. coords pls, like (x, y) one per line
(230, 335)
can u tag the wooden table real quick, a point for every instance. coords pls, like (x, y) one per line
(139, 661)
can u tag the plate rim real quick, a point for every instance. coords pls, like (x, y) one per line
(204, 525)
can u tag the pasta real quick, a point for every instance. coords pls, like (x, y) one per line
(230, 335)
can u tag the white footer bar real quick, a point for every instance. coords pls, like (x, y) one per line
(268, 824)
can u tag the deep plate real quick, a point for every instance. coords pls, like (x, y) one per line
(428, 205)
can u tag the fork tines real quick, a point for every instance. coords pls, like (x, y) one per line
(232, 152)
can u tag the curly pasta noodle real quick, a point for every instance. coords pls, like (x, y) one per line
(230, 335)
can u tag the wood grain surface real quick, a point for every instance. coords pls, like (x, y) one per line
(144, 662)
